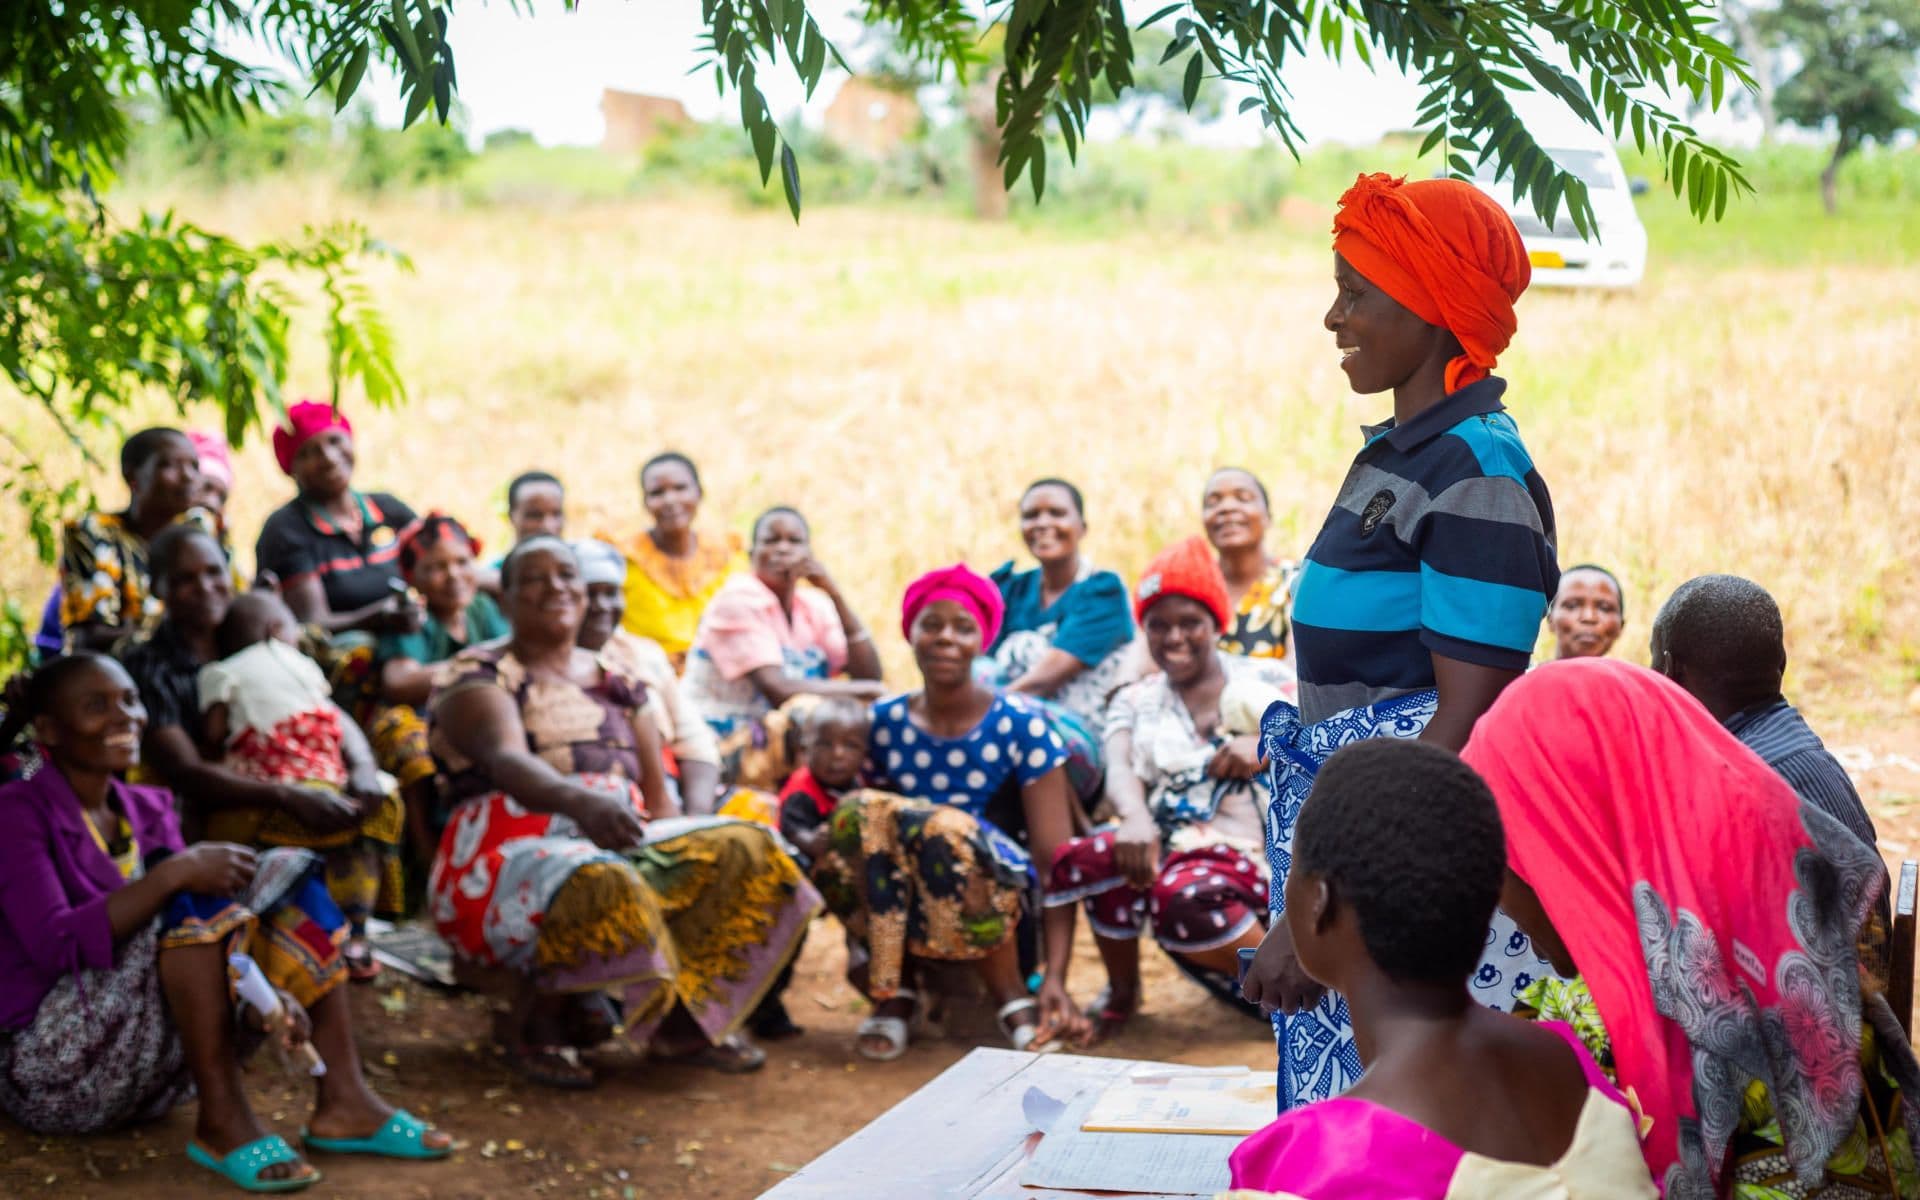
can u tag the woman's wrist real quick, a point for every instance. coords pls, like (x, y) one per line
(165, 874)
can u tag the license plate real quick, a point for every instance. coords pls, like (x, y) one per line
(1547, 258)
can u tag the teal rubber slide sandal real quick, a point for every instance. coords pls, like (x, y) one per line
(243, 1166)
(403, 1136)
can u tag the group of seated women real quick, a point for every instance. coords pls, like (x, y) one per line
(621, 776)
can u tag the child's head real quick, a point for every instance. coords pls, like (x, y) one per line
(253, 618)
(834, 738)
(1398, 858)
(536, 504)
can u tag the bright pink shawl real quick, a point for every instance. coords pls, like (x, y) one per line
(1712, 915)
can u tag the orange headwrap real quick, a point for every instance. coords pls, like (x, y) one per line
(1444, 249)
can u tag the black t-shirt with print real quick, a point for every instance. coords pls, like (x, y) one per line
(298, 541)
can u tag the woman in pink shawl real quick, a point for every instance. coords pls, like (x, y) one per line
(1705, 922)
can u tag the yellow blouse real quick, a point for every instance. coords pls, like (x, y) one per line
(665, 596)
(127, 862)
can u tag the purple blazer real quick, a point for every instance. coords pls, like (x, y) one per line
(54, 884)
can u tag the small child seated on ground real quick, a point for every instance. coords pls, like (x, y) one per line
(1399, 858)
(833, 747)
(268, 714)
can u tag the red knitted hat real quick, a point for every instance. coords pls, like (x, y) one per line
(1186, 568)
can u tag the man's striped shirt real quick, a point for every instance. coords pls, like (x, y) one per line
(1784, 741)
(1441, 542)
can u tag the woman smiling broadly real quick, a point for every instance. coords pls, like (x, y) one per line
(1235, 512)
(674, 568)
(1422, 596)
(1183, 755)
(114, 938)
(1067, 624)
(558, 883)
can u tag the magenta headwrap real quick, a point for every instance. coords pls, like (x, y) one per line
(965, 587)
(216, 461)
(305, 421)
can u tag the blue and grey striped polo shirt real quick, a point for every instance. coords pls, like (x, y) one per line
(1441, 542)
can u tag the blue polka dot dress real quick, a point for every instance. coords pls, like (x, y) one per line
(1014, 741)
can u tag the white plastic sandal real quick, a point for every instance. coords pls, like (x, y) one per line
(1021, 1036)
(891, 1029)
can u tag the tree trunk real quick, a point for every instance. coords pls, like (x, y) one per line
(1841, 149)
(983, 128)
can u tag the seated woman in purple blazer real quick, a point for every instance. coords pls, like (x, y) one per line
(114, 945)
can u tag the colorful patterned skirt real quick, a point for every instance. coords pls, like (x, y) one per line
(102, 1052)
(1318, 1058)
(399, 738)
(910, 878)
(363, 868)
(705, 913)
(1201, 898)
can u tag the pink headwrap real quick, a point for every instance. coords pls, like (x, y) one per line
(216, 461)
(305, 421)
(960, 584)
(1710, 912)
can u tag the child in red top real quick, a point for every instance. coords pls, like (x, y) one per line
(834, 743)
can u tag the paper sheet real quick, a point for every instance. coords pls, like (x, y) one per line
(1232, 1104)
(1179, 1164)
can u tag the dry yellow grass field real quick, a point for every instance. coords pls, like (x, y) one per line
(899, 376)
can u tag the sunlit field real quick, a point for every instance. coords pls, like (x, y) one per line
(899, 375)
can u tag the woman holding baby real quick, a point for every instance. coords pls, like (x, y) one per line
(240, 723)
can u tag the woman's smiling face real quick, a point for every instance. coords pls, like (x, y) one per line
(1382, 343)
(323, 466)
(672, 495)
(545, 594)
(946, 639)
(1234, 511)
(95, 720)
(1050, 523)
(1181, 635)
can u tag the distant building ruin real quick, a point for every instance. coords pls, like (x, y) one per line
(634, 119)
(872, 118)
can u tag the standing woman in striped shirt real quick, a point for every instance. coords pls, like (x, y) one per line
(1423, 593)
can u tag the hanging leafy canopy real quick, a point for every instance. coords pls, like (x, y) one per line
(1619, 55)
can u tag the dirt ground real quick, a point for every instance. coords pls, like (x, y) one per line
(649, 1131)
(646, 1131)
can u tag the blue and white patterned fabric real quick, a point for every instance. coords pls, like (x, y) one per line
(1318, 1058)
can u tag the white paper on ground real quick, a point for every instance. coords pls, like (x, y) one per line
(1177, 1164)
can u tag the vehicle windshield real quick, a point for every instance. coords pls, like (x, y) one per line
(1590, 166)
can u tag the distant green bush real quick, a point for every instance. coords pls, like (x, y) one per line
(357, 152)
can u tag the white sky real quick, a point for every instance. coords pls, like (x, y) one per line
(545, 72)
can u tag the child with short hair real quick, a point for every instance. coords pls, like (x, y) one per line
(270, 716)
(1399, 859)
(833, 746)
